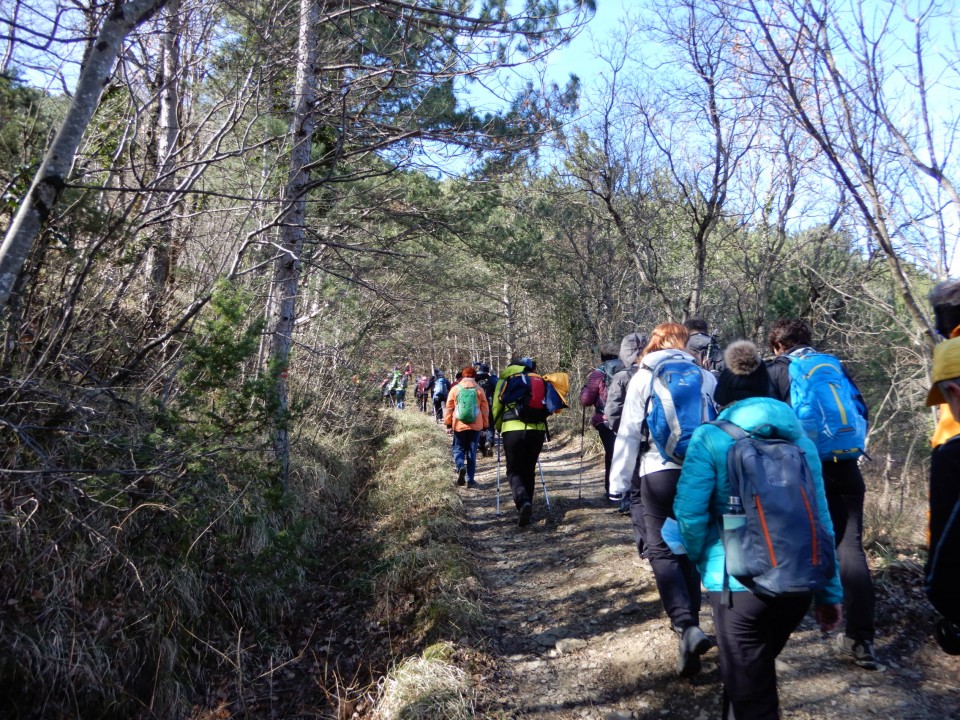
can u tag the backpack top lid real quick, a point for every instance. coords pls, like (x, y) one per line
(528, 362)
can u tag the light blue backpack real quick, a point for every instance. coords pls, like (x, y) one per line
(676, 407)
(830, 408)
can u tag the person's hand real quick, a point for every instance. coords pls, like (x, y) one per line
(829, 616)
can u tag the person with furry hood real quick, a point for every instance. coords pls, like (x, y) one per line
(751, 630)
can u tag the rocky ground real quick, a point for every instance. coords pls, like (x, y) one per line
(578, 630)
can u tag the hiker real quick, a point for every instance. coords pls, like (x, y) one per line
(594, 394)
(752, 627)
(678, 582)
(466, 416)
(741, 376)
(945, 299)
(521, 440)
(631, 346)
(421, 392)
(488, 383)
(791, 342)
(703, 346)
(942, 580)
(398, 390)
(440, 389)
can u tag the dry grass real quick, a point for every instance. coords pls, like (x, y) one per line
(425, 578)
(427, 687)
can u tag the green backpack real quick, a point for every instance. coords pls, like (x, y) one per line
(467, 406)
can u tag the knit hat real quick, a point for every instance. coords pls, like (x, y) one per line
(743, 376)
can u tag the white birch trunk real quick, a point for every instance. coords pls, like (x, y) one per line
(50, 179)
(160, 255)
(286, 272)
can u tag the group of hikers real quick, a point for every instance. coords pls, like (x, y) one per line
(741, 477)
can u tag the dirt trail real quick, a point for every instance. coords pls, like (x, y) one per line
(578, 630)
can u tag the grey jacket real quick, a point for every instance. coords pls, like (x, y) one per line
(630, 348)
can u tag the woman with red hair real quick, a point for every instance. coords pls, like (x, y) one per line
(655, 483)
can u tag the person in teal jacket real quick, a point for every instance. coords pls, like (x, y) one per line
(522, 443)
(751, 630)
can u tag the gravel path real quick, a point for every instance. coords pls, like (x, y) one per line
(578, 631)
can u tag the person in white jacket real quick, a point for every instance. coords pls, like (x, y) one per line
(678, 581)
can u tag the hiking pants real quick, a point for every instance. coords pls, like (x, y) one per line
(636, 510)
(845, 492)
(522, 448)
(438, 404)
(465, 451)
(608, 437)
(751, 632)
(678, 581)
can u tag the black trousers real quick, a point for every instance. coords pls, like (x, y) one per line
(751, 632)
(637, 520)
(522, 448)
(845, 491)
(678, 581)
(609, 438)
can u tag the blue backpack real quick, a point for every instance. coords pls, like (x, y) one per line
(830, 408)
(441, 386)
(782, 548)
(677, 406)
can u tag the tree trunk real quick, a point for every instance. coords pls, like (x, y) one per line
(51, 178)
(286, 273)
(160, 256)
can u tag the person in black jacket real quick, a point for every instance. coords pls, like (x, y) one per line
(941, 577)
(846, 490)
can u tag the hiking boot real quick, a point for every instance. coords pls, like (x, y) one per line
(862, 653)
(948, 636)
(461, 476)
(472, 484)
(693, 644)
(624, 508)
(526, 510)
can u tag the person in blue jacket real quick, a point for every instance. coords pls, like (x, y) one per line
(751, 630)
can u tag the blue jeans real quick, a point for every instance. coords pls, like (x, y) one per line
(465, 450)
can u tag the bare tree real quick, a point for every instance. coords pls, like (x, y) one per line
(51, 178)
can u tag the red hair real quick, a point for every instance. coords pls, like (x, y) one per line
(667, 336)
(469, 371)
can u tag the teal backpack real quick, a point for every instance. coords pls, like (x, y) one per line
(467, 407)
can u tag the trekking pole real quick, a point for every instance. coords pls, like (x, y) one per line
(543, 482)
(498, 474)
(583, 431)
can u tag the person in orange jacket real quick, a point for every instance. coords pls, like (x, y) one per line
(945, 299)
(466, 416)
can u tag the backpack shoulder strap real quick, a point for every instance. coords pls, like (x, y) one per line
(734, 431)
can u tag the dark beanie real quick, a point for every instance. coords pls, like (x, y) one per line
(744, 374)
